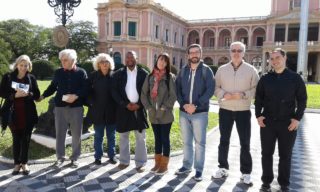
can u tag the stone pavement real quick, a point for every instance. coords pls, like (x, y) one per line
(89, 177)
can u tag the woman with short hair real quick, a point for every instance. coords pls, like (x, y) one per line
(102, 107)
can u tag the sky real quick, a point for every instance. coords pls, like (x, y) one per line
(38, 12)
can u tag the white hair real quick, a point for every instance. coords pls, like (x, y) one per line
(100, 57)
(243, 46)
(23, 59)
(70, 53)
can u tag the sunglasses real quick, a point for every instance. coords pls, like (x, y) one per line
(236, 50)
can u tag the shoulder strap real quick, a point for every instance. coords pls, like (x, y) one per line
(204, 75)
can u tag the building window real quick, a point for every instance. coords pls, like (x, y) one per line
(175, 38)
(244, 40)
(157, 32)
(211, 42)
(132, 29)
(117, 28)
(227, 41)
(174, 61)
(182, 40)
(259, 41)
(167, 35)
(295, 4)
(197, 41)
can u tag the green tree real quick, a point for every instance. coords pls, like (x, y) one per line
(83, 38)
(19, 34)
(4, 65)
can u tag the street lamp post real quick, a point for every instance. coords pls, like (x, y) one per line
(63, 9)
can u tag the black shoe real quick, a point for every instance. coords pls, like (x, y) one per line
(16, 170)
(74, 164)
(265, 188)
(58, 163)
(97, 162)
(284, 189)
(113, 160)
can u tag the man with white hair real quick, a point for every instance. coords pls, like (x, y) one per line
(69, 83)
(236, 83)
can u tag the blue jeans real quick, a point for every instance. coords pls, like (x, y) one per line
(162, 138)
(194, 128)
(243, 124)
(98, 140)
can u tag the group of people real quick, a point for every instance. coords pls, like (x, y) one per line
(121, 101)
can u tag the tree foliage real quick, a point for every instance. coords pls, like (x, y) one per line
(42, 69)
(18, 36)
(83, 40)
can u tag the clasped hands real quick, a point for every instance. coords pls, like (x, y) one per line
(133, 107)
(294, 124)
(189, 108)
(233, 96)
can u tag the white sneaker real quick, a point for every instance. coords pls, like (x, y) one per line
(222, 172)
(246, 178)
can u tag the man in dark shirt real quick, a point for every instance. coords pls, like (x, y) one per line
(279, 106)
(70, 84)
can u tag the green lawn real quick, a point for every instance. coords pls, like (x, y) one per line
(38, 151)
(313, 91)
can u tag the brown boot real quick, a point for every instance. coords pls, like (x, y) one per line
(163, 166)
(157, 160)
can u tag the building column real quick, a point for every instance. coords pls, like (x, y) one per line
(250, 38)
(286, 33)
(273, 31)
(232, 34)
(303, 49)
(216, 38)
(200, 37)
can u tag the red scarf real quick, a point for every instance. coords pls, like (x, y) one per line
(157, 74)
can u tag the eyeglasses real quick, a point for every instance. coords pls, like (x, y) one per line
(104, 62)
(236, 50)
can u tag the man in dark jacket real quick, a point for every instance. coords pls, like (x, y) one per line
(69, 83)
(279, 106)
(131, 116)
(195, 86)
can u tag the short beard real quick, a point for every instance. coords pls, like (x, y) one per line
(197, 61)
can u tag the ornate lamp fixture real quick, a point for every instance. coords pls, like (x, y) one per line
(64, 9)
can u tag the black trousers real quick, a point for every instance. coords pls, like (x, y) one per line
(243, 124)
(20, 147)
(273, 132)
(162, 138)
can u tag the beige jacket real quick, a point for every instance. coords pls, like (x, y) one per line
(245, 80)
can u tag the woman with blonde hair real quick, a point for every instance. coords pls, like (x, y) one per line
(102, 107)
(20, 90)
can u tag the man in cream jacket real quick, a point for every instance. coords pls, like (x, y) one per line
(236, 83)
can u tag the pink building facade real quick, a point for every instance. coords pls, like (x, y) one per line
(149, 28)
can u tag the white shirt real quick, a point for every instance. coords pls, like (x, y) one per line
(193, 73)
(131, 89)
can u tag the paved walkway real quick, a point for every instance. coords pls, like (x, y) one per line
(89, 177)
